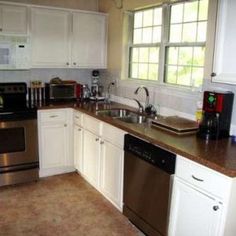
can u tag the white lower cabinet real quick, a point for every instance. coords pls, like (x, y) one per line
(55, 141)
(78, 148)
(193, 212)
(91, 158)
(112, 161)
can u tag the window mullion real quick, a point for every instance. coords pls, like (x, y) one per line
(164, 41)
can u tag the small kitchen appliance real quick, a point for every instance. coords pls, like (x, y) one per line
(96, 87)
(217, 111)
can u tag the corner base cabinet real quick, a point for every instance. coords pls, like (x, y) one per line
(55, 141)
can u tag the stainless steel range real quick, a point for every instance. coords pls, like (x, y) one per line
(18, 136)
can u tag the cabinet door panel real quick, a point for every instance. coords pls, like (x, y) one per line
(193, 213)
(78, 148)
(89, 40)
(91, 156)
(50, 38)
(13, 19)
(54, 150)
(112, 173)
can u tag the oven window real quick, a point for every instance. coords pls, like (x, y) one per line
(12, 140)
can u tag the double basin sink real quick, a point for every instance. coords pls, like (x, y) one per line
(124, 115)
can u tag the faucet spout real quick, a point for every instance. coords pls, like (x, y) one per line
(146, 92)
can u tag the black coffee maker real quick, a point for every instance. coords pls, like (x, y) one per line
(217, 112)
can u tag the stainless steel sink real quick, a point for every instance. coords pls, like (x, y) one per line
(124, 115)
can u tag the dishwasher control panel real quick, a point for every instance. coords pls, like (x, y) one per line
(153, 154)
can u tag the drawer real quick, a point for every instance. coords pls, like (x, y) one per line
(78, 118)
(54, 115)
(92, 124)
(203, 177)
(113, 135)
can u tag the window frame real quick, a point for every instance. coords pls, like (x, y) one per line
(163, 47)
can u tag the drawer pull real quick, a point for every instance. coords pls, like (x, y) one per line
(97, 139)
(102, 142)
(215, 208)
(200, 180)
(53, 116)
(79, 129)
(77, 117)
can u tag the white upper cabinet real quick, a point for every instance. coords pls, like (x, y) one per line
(13, 19)
(50, 38)
(224, 69)
(89, 40)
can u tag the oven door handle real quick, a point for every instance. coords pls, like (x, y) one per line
(6, 113)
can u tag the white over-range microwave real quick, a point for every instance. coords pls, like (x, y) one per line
(14, 53)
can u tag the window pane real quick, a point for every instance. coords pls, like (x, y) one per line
(153, 55)
(138, 19)
(137, 36)
(143, 55)
(157, 16)
(177, 13)
(203, 10)
(143, 71)
(153, 72)
(147, 18)
(135, 55)
(172, 56)
(197, 76)
(176, 33)
(184, 75)
(190, 11)
(171, 74)
(156, 35)
(189, 32)
(198, 56)
(147, 35)
(134, 70)
(185, 56)
(202, 31)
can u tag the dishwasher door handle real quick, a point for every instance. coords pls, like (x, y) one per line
(195, 178)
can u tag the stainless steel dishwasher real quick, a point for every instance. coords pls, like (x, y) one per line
(147, 185)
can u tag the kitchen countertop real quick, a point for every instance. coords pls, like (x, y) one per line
(219, 155)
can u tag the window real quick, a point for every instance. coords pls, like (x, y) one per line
(168, 43)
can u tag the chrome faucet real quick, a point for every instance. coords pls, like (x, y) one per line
(146, 92)
(140, 106)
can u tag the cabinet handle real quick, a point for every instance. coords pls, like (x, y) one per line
(53, 116)
(102, 142)
(74, 63)
(200, 180)
(65, 125)
(79, 129)
(77, 117)
(97, 139)
(215, 208)
(1, 30)
(213, 74)
(67, 63)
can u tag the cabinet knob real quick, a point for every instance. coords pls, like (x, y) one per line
(213, 74)
(215, 208)
(79, 129)
(0, 29)
(97, 139)
(65, 125)
(102, 142)
(74, 63)
(67, 63)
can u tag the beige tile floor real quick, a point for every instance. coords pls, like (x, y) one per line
(60, 205)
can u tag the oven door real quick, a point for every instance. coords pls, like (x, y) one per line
(19, 144)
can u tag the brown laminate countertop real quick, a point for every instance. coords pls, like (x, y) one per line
(219, 155)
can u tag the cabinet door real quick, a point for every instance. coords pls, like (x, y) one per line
(224, 64)
(193, 213)
(91, 158)
(50, 38)
(89, 40)
(13, 19)
(112, 173)
(78, 148)
(53, 146)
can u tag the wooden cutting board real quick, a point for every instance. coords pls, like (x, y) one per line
(175, 124)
